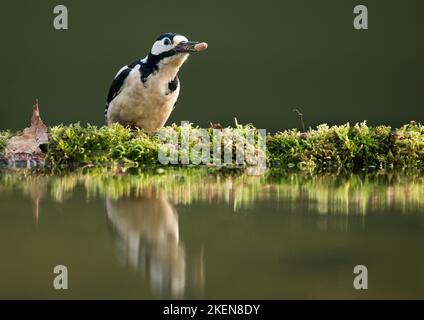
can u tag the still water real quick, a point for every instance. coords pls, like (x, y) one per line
(196, 235)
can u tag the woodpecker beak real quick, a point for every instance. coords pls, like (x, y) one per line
(191, 46)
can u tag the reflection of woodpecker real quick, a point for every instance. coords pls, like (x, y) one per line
(147, 232)
(144, 93)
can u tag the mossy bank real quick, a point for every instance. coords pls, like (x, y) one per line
(347, 147)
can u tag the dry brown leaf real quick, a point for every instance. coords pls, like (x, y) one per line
(27, 145)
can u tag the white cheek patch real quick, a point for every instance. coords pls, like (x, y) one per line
(159, 47)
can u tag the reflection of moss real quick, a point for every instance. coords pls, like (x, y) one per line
(325, 148)
(323, 193)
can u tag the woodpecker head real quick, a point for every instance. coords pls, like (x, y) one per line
(173, 49)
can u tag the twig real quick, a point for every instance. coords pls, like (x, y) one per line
(300, 114)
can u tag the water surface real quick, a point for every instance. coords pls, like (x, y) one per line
(200, 235)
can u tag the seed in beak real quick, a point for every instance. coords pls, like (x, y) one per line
(200, 46)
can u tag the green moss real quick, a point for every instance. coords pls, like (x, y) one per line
(407, 146)
(326, 148)
(76, 145)
(349, 147)
(4, 135)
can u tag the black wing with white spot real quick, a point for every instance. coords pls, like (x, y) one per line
(117, 83)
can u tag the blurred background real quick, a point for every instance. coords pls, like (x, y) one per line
(264, 59)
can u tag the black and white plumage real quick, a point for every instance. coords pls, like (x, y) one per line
(143, 93)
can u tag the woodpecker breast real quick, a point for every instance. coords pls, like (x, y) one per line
(145, 101)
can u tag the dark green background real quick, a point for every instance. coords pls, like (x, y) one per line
(264, 59)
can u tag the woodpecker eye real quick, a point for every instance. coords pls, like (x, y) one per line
(166, 42)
